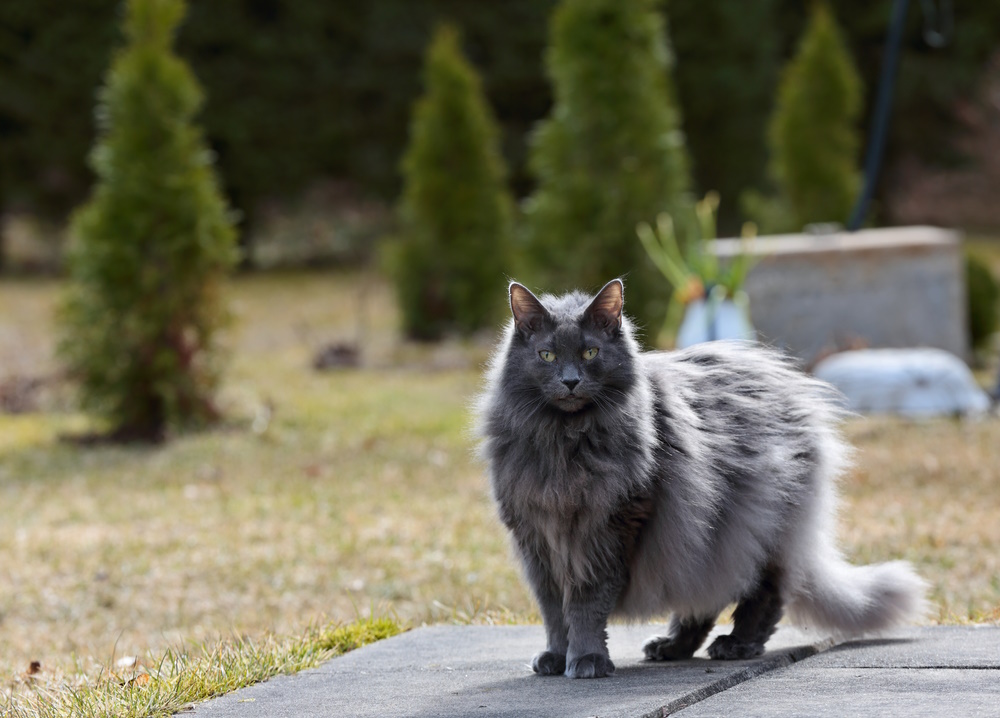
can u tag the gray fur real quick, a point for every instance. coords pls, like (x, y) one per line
(639, 483)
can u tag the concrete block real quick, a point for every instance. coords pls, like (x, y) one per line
(881, 288)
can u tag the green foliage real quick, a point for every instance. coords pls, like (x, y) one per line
(728, 58)
(983, 301)
(930, 82)
(297, 91)
(456, 211)
(387, 41)
(694, 272)
(813, 133)
(610, 155)
(52, 55)
(307, 90)
(151, 245)
(694, 266)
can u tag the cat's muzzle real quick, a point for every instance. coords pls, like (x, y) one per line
(572, 403)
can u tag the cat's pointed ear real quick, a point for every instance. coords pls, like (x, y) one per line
(605, 312)
(527, 310)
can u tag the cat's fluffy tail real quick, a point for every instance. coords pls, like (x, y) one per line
(852, 600)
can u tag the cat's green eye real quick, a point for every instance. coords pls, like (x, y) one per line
(589, 354)
(546, 355)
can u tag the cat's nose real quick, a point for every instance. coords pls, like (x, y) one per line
(571, 383)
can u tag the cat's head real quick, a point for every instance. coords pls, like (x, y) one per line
(575, 352)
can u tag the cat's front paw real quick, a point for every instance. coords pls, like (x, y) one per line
(548, 663)
(730, 648)
(664, 648)
(590, 665)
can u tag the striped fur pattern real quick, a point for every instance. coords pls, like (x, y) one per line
(635, 483)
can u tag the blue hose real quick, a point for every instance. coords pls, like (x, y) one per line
(880, 119)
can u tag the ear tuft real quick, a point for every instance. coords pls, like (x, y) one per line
(527, 310)
(605, 312)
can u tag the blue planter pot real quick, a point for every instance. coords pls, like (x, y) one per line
(712, 318)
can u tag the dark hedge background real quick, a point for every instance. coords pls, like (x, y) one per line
(310, 89)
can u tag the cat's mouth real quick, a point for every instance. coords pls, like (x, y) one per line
(571, 403)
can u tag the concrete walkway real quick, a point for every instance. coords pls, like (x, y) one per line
(483, 671)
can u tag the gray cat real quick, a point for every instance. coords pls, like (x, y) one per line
(636, 483)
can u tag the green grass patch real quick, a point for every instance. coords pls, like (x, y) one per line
(181, 678)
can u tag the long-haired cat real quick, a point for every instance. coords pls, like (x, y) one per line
(638, 483)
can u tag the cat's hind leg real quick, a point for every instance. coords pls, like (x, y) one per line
(756, 616)
(682, 639)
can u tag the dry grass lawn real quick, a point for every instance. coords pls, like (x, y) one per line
(328, 495)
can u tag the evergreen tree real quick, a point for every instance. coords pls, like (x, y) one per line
(610, 155)
(728, 59)
(151, 246)
(455, 210)
(813, 133)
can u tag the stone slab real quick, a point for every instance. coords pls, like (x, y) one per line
(859, 693)
(953, 647)
(483, 670)
(940, 671)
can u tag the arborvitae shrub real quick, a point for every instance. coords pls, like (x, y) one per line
(983, 301)
(728, 59)
(813, 134)
(611, 153)
(453, 252)
(151, 246)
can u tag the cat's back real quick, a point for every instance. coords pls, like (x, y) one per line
(742, 385)
(732, 368)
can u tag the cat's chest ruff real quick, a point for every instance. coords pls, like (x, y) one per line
(572, 474)
(574, 456)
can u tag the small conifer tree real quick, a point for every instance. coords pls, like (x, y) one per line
(610, 155)
(728, 58)
(813, 132)
(151, 246)
(455, 212)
